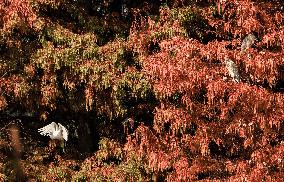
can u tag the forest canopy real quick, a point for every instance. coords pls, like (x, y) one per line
(175, 90)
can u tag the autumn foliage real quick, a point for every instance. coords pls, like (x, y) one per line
(151, 78)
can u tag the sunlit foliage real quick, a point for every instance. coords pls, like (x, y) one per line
(162, 64)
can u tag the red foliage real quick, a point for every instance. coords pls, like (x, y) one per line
(204, 125)
(238, 118)
(15, 10)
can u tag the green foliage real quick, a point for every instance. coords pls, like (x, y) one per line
(192, 21)
(155, 74)
(109, 149)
